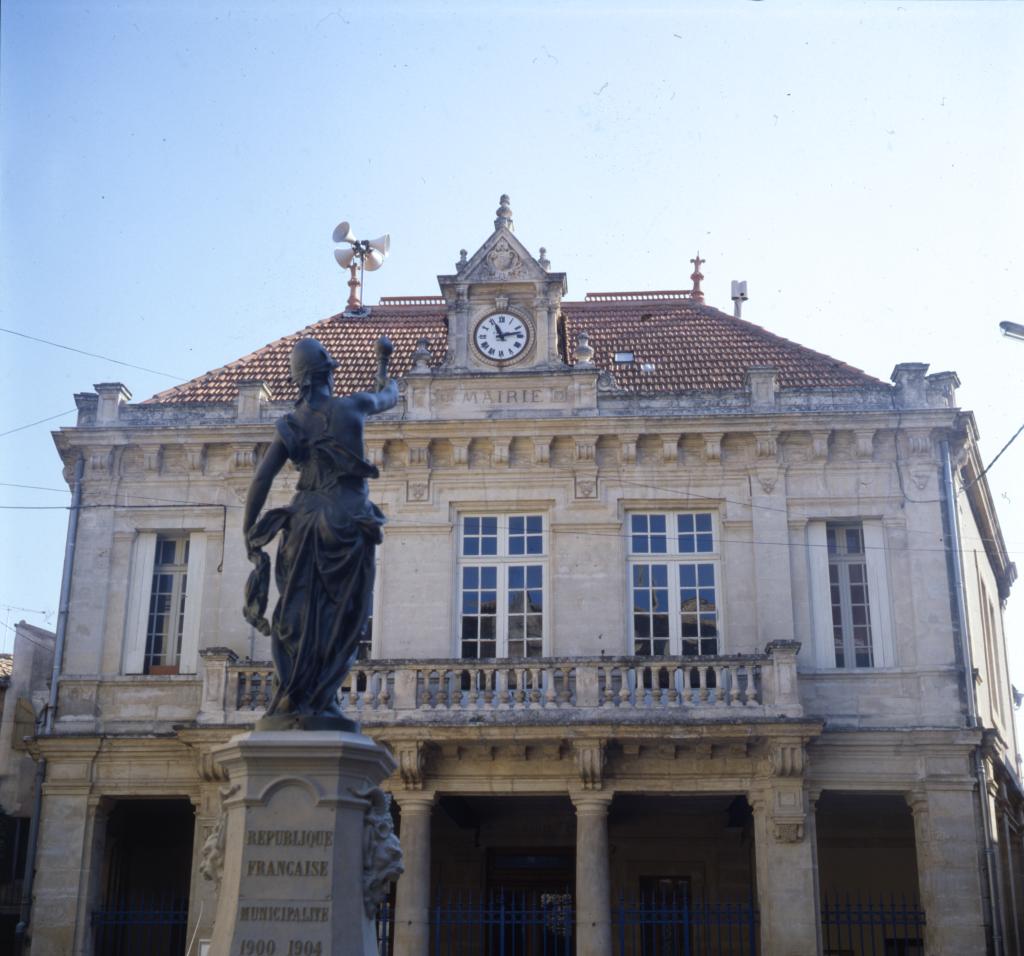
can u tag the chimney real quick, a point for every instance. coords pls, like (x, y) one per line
(739, 296)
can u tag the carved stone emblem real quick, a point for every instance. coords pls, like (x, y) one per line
(503, 261)
(382, 853)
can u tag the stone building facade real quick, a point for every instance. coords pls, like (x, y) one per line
(667, 605)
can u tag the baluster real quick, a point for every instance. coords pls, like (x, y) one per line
(673, 688)
(606, 677)
(245, 691)
(628, 677)
(353, 689)
(474, 688)
(702, 672)
(442, 688)
(754, 685)
(734, 689)
(385, 690)
(687, 685)
(719, 685)
(490, 685)
(535, 675)
(520, 680)
(501, 692)
(551, 677)
(565, 694)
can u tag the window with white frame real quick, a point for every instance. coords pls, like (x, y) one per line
(166, 619)
(501, 585)
(849, 595)
(674, 574)
(849, 600)
(164, 602)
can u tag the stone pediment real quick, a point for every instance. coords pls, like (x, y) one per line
(502, 258)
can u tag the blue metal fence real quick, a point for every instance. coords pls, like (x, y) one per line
(503, 923)
(871, 927)
(154, 926)
(658, 925)
(543, 924)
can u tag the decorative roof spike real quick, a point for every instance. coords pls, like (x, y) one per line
(697, 276)
(504, 213)
(543, 260)
(584, 351)
(421, 356)
(463, 261)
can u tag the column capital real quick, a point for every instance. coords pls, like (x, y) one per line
(413, 801)
(591, 802)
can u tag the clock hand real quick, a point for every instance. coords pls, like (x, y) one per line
(501, 335)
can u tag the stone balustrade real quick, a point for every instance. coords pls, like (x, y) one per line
(379, 692)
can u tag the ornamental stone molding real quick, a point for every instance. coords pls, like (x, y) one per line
(788, 831)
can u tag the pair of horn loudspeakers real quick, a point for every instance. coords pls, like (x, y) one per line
(369, 252)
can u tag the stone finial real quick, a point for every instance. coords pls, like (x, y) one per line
(112, 395)
(421, 356)
(543, 261)
(504, 213)
(697, 276)
(584, 351)
(763, 383)
(942, 388)
(252, 395)
(463, 261)
(911, 387)
(87, 403)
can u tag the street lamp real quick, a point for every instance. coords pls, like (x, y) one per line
(1012, 329)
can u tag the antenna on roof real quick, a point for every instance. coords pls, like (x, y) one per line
(365, 254)
(739, 296)
(697, 277)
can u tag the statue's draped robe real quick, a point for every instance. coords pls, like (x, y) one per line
(325, 565)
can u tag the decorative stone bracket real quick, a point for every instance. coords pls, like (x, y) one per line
(590, 761)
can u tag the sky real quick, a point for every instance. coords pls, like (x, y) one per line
(171, 173)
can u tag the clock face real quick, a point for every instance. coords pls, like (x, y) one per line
(501, 336)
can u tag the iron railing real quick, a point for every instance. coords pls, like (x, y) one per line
(657, 925)
(530, 923)
(155, 927)
(872, 927)
(503, 923)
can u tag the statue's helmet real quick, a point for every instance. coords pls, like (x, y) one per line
(309, 359)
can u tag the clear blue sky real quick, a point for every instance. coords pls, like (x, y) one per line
(172, 171)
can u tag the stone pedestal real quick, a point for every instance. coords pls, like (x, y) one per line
(298, 822)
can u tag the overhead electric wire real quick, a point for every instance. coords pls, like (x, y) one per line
(21, 428)
(106, 358)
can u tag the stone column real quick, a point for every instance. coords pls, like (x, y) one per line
(787, 871)
(593, 885)
(947, 838)
(412, 895)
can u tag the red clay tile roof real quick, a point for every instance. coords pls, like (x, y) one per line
(693, 346)
(690, 345)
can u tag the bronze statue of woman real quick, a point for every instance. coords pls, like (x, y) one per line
(325, 558)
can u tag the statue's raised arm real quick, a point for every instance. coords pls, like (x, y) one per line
(325, 558)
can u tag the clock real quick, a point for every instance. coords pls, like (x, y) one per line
(501, 337)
